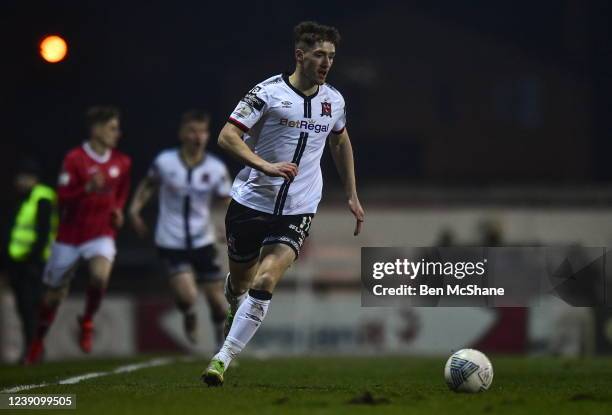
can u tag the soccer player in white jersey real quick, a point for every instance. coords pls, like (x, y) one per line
(279, 130)
(189, 179)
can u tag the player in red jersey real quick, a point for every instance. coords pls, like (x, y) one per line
(92, 190)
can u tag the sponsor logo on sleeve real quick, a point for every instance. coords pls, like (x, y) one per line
(243, 111)
(253, 101)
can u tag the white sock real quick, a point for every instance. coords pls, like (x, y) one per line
(250, 314)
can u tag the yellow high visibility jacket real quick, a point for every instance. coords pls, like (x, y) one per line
(23, 234)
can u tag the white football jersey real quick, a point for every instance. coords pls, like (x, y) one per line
(185, 196)
(282, 124)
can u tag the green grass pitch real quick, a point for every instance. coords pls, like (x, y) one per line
(346, 385)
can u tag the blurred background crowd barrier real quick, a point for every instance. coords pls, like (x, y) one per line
(317, 308)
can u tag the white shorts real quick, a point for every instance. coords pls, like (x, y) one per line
(64, 258)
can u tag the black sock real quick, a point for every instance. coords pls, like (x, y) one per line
(260, 294)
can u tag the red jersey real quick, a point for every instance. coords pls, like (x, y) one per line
(87, 215)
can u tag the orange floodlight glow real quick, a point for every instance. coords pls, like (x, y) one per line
(53, 49)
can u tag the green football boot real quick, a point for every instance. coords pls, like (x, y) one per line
(213, 375)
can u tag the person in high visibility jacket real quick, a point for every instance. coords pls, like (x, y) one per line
(29, 241)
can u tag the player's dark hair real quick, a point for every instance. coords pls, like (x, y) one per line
(100, 115)
(195, 115)
(307, 34)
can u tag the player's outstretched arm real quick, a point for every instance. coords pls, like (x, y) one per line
(342, 153)
(230, 140)
(144, 191)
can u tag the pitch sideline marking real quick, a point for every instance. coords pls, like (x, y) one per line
(121, 369)
(23, 388)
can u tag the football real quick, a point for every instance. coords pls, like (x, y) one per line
(468, 370)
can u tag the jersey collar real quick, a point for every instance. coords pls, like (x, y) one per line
(91, 153)
(184, 163)
(297, 91)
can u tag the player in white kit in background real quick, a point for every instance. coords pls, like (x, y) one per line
(279, 130)
(189, 180)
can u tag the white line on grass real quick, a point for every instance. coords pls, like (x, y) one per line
(23, 388)
(121, 369)
(137, 366)
(77, 379)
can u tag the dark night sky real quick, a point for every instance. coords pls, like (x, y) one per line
(156, 60)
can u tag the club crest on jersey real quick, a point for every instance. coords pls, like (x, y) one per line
(326, 109)
(205, 178)
(64, 179)
(113, 171)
